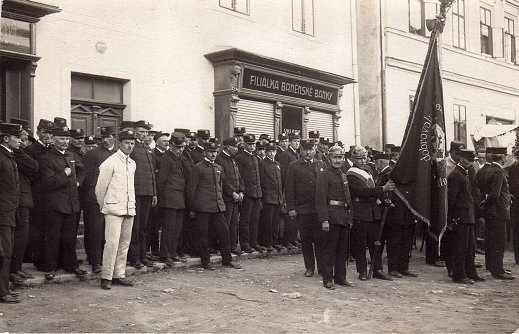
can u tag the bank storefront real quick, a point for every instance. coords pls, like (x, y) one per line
(271, 96)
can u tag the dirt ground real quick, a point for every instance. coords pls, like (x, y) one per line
(252, 300)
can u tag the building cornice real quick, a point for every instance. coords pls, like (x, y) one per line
(29, 10)
(234, 54)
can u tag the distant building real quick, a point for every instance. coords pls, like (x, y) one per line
(480, 65)
(268, 65)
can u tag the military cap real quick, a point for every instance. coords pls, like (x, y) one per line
(275, 141)
(313, 134)
(211, 146)
(60, 122)
(456, 145)
(467, 154)
(214, 140)
(294, 135)
(496, 150)
(46, 125)
(395, 149)
(160, 134)
(77, 133)
(10, 129)
(177, 139)
(61, 131)
(23, 122)
(184, 131)
(230, 141)
(260, 145)
(382, 156)
(89, 140)
(142, 124)
(128, 134)
(152, 132)
(239, 131)
(270, 147)
(127, 125)
(359, 152)
(191, 135)
(336, 150)
(249, 138)
(307, 144)
(202, 133)
(282, 136)
(265, 136)
(105, 131)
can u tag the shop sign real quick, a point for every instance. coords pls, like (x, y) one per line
(291, 119)
(277, 84)
(15, 35)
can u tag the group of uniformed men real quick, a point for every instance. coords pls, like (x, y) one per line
(236, 195)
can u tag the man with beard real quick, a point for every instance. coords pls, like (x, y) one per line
(366, 213)
(300, 187)
(27, 168)
(333, 206)
(38, 218)
(92, 216)
(233, 191)
(58, 176)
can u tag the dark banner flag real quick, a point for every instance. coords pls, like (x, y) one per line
(419, 173)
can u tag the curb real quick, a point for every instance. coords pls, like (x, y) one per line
(64, 277)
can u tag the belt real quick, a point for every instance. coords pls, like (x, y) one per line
(338, 203)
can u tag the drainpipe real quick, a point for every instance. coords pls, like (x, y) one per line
(355, 74)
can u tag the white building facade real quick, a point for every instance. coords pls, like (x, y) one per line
(271, 66)
(479, 61)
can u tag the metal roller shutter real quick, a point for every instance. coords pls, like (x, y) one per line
(256, 117)
(321, 121)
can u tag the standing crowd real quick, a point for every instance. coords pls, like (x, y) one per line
(150, 196)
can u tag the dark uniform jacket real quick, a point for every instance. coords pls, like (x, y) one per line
(248, 165)
(187, 163)
(27, 169)
(197, 154)
(205, 188)
(300, 185)
(513, 182)
(79, 157)
(61, 190)
(332, 185)
(498, 199)
(145, 173)
(9, 187)
(284, 160)
(157, 157)
(37, 151)
(346, 165)
(92, 160)
(364, 195)
(171, 182)
(461, 203)
(234, 182)
(479, 180)
(271, 187)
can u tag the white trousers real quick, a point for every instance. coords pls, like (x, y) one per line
(118, 233)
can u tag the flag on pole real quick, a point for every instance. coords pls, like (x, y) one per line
(419, 173)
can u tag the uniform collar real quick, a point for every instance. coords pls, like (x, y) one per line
(209, 162)
(42, 144)
(7, 148)
(497, 164)
(463, 169)
(226, 153)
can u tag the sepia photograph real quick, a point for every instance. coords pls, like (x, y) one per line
(259, 166)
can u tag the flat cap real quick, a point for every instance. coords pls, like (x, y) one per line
(211, 146)
(265, 136)
(105, 131)
(230, 141)
(294, 135)
(184, 131)
(46, 125)
(142, 124)
(239, 131)
(282, 136)
(23, 122)
(456, 145)
(10, 129)
(177, 139)
(202, 133)
(60, 122)
(468, 154)
(127, 125)
(61, 131)
(128, 134)
(89, 140)
(249, 138)
(313, 134)
(77, 133)
(307, 144)
(497, 150)
(270, 146)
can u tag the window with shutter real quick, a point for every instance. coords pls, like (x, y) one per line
(257, 117)
(322, 122)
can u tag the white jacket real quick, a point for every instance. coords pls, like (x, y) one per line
(115, 190)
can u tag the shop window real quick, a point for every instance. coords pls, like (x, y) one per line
(509, 42)
(240, 6)
(96, 102)
(303, 16)
(460, 123)
(419, 12)
(486, 31)
(458, 24)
